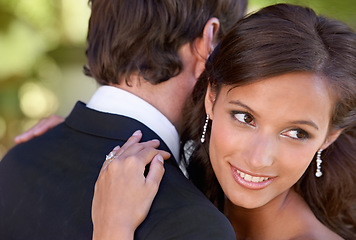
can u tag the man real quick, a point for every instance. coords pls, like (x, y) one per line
(147, 56)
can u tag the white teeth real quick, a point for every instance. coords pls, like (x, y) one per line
(249, 178)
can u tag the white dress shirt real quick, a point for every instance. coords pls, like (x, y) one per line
(114, 100)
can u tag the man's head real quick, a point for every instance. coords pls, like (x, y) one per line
(140, 37)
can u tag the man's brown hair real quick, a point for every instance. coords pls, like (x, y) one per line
(144, 36)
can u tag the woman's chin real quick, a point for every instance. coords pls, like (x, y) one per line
(247, 202)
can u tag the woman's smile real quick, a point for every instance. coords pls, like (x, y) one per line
(250, 181)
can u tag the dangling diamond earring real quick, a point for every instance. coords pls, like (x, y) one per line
(202, 140)
(318, 172)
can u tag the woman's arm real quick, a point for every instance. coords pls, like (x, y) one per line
(41, 127)
(123, 195)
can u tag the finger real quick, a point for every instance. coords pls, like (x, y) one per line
(117, 151)
(46, 124)
(145, 156)
(116, 148)
(135, 138)
(23, 137)
(165, 155)
(131, 148)
(110, 157)
(135, 148)
(41, 127)
(27, 135)
(155, 172)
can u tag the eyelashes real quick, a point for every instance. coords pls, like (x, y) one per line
(296, 134)
(244, 117)
(248, 119)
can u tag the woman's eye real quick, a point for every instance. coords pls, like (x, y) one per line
(296, 134)
(244, 118)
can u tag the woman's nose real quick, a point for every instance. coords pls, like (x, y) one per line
(260, 152)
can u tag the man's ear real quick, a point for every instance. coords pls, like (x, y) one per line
(332, 136)
(209, 101)
(204, 46)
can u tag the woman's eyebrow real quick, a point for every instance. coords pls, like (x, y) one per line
(239, 103)
(305, 122)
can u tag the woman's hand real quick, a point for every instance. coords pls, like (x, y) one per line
(123, 195)
(40, 128)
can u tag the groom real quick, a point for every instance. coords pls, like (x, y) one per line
(146, 55)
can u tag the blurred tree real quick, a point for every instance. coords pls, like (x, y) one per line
(42, 53)
(344, 10)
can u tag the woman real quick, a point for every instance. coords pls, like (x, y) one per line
(269, 135)
(279, 92)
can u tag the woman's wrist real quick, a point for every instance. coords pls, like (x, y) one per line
(117, 234)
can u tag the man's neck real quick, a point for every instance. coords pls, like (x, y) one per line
(165, 97)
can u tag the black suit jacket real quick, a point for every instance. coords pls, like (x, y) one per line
(47, 184)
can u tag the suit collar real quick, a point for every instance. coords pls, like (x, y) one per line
(110, 126)
(117, 101)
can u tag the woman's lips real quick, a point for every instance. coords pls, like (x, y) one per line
(250, 181)
(250, 178)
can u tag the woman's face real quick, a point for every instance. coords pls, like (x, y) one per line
(265, 134)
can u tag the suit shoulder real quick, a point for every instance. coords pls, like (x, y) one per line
(181, 211)
(179, 190)
(192, 222)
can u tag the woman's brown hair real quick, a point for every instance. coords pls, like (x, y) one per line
(276, 40)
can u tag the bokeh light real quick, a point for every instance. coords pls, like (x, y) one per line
(74, 20)
(36, 101)
(2, 127)
(42, 46)
(19, 48)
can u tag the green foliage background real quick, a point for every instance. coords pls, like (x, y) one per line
(42, 44)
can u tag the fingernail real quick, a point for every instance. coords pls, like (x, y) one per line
(18, 138)
(159, 158)
(116, 148)
(138, 132)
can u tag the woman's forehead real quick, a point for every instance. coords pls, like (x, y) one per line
(294, 94)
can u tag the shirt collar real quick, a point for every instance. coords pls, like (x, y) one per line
(114, 100)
